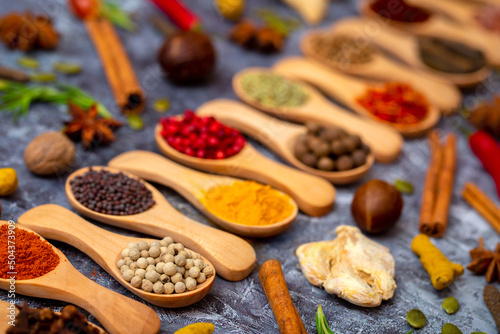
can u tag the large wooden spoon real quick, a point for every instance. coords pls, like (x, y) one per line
(341, 87)
(117, 313)
(314, 195)
(385, 143)
(193, 186)
(445, 96)
(405, 47)
(279, 136)
(55, 222)
(232, 257)
(5, 314)
(437, 26)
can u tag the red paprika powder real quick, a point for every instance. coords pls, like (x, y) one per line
(395, 103)
(399, 10)
(33, 256)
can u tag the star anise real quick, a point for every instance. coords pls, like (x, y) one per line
(27, 31)
(88, 127)
(487, 116)
(485, 262)
(264, 39)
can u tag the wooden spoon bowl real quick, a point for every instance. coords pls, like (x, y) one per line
(232, 257)
(5, 313)
(314, 195)
(279, 136)
(58, 223)
(193, 186)
(67, 284)
(380, 67)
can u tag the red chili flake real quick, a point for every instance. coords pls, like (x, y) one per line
(201, 137)
(395, 103)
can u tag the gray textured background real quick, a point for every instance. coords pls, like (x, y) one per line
(242, 307)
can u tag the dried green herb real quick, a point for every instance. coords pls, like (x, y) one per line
(135, 122)
(321, 323)
(111, 10)
(28, 62)
(403, 186)
(161, 105)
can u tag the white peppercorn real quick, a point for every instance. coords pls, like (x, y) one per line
(128, 261)
(164, 278)
(158, 287)
(201, 278)
(163, 243)
(136, 281)
(158, 260)
(124, 268)
(199, 264)
(169, 288)
(180, 270)
(186, 274)
(134, 266)
(194, 272)
(189, 255)
(189, 264)
(152, 276)
(159, 267)
(120, 263)
(147, 285)
(180, 287)
(154, 251)
(190, 283)
(178, 247)
(176, 278)
(143, 245)
(171, 249)
(168, 258)
(180, 260)
(183, 253)
(151, 267)
(151, 260)
(134, 254)
(168, 240)
(169, 268)
(141, 273)
(195, 256)
(208, 271)
(128, 275)
(125, 252)
(142, 263)
(154, 244)
(163, 250)
(144, 253)
(132, 245)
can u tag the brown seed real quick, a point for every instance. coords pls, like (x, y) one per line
(312, 141)
(359, 157)
(309, 159)
(338, 148)
(345, 162)
(351, 143)
(313, 128)
(326, 163)
(330, 134)
(321, 149)
(300, 149)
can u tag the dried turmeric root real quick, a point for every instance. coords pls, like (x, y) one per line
(197, 328)
(441, 270)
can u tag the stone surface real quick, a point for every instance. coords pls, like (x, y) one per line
(242, 307)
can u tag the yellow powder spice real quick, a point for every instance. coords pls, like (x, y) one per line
(248, 203)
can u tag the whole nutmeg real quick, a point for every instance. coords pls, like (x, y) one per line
(376, 206)
(50, 153)
(187, 56)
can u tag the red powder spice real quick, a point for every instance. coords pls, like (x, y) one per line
(34, 257)
(201, 137)
(396, 103)
(399, 10)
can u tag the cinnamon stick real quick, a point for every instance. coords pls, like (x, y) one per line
(119, 71)
(429, 191)
(12, 74)
(482, 204)
(445, 187)
(274, 284)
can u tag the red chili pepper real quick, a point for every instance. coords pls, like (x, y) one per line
(179, 14)
(85, 8)
(487, 150)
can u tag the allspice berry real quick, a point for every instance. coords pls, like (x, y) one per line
(50, 153)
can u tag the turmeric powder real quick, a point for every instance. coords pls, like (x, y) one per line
(441, 270)
(248, 203)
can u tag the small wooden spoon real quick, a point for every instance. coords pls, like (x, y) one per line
(232, 257)
(341, 87)
(117, 313)
(279, 136)
(437, 26)
(445, 96)
(405, 47)
(5, 316)
(314, 195)
(192, 185)
(55, 222)
(385, 143)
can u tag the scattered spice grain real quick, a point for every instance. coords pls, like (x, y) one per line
(342, 50)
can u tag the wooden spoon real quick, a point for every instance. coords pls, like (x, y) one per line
(314, 195)
(445, 96)
(117, 313)
(437, 26)
(341, 87)
(5, 316)
(192, 185)
(232, 257)
(279, 136)
(405, 47)
(385, 143)
(55, 222)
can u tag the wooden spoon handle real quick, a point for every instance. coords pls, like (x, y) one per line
(58, 223)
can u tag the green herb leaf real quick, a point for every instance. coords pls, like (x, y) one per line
(67, 68)
(135, 122)
(410, 331)
(321, 323)
(404, 186)
(111, 10)
(283, 26)
(28, 62)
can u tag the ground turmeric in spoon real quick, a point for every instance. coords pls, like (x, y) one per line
(248, 203)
